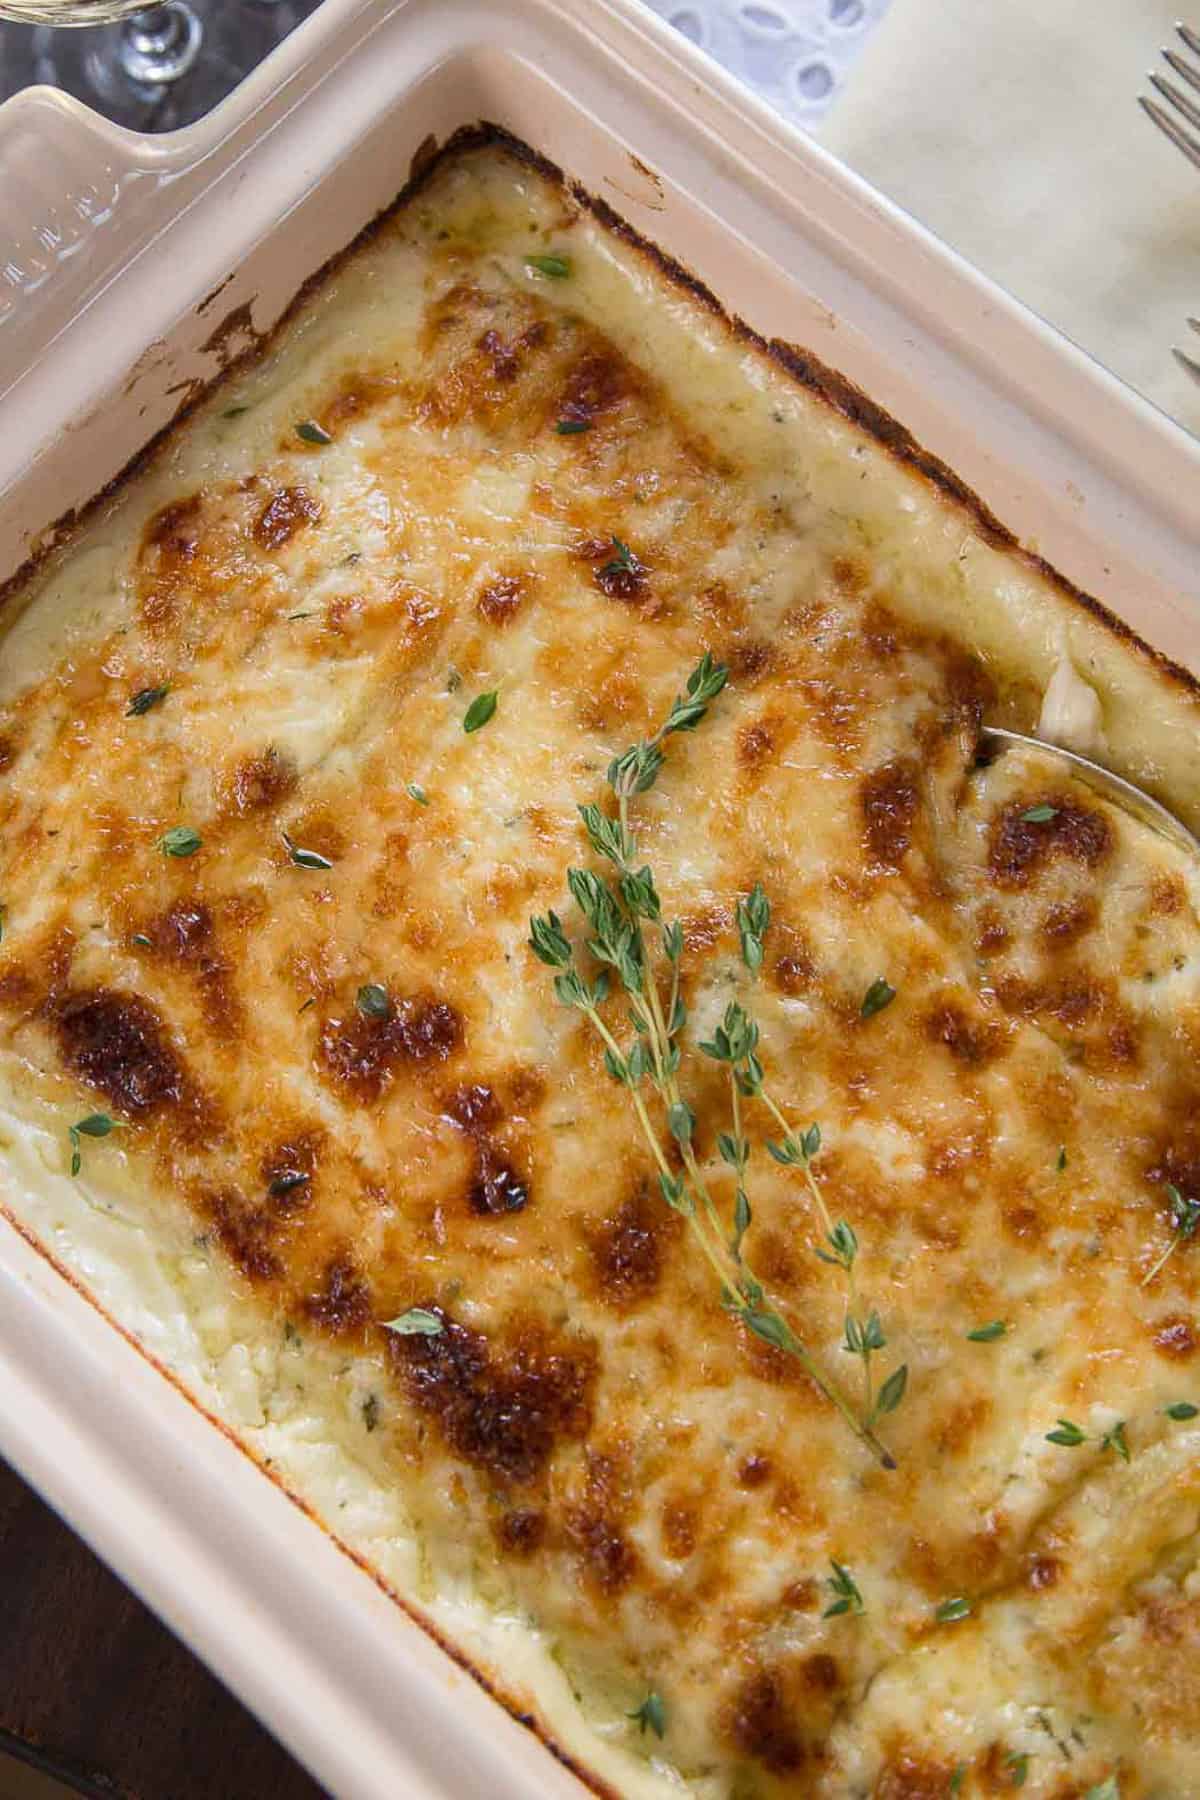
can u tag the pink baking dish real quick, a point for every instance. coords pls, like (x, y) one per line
(133, 269)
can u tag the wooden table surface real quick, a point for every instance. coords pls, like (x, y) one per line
(92, 1684)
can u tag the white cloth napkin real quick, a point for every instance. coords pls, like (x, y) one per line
(1011, 129)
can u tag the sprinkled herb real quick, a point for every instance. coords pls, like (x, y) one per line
(285, 1183)
(1068, 1434)
(1185, 1217)
(417, 793)
(878, 995)
(623, 562)
(1017, 1764)
(847, 1598)
(145, 698)
(290, 1334)
(957, 1779)
(370, 1411)
(96, 1125)
(987, 1334)
(1104, 1790)
(416, 1322)
(556, 267)
(480, 711)
(650, 1715)
(3, 919)
(1061, 1160)
(139, 937)
(1116, 1440)
(951, 1611)
(753, 918)
(623, 912)
(572, 427)
(311, 1001)
(181, 840)
(1181, 1410)
(305, 859)
(373, 1000)
(234, 412)
(312, 433)
(293, 617)
(1039, 815)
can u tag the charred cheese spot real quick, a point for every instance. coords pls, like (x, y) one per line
(262, 781)
(911, 1776)
(343, 1301)
(1068, 921)
(285, 513)
(761, 1724)
(361, 1053)
(1021, 847)
(889, 806)
(499, 601)
(118, 1044)
(595, 384)
(626, 1250)
(184, 931)
(522, 1532)
(247, 1233)
(1175, 1337)
(504, 1407)
(970, 1039)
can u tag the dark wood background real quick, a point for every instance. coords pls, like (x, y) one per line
(93, 1687)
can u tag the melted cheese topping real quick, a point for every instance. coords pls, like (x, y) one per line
(593, 1478)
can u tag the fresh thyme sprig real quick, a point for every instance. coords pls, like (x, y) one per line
(620, 909)
(1185, 1217)
(736, 1043)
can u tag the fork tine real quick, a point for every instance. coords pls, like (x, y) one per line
(1180, 102)
(1166, 124)
(1182, 69)
(1187, 362)
(1190, 38)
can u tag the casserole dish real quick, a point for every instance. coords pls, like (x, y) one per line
(222, 1556)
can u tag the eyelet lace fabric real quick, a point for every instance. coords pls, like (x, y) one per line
(794, 53)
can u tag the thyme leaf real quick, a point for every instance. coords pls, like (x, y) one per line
(878, 995)
(145, 698)
(312, 433)
(305, 859)
(180, 840)
(95, 1125)
(650, 1715)
(481, 709)
(418, 1321)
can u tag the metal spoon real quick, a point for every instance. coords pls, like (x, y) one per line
(1122, 793)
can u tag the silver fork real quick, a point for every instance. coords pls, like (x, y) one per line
(1184, 140)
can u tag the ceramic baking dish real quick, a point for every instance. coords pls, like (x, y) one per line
(133, 270)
